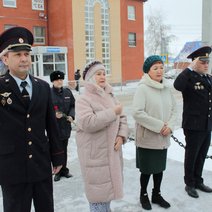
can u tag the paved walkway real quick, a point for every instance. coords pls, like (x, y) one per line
(70, 197)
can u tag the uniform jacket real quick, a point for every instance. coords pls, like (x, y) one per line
(29, 138)
(197, 100)
(97, 129)
(153, 105)
(63, 99)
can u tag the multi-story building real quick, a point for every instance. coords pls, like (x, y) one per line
(70, 33)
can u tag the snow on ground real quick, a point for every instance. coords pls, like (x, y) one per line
(69, 193)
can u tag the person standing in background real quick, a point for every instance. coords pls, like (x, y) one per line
(154, 110)
(77, 76)
(64, 105)
(196, 86)
(29, 141)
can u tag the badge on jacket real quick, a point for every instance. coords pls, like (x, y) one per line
(198, 86)
(6, 98)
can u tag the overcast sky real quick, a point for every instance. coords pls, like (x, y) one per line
(184, 17)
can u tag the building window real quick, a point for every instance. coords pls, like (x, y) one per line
(9, 3)
(131, 12)
(38, 4)
(132, 39)
(39, 35)
(89, 32)
(53, 61)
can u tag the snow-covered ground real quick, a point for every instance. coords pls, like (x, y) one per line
(69, 193)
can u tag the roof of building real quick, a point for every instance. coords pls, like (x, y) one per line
(188, 48)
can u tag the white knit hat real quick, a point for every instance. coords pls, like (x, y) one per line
(91, 68)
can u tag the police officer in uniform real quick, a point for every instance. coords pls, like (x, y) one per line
(29, 144)
(64, 105)
(196, 87)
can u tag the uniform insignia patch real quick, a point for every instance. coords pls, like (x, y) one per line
(21, 40)
(3, 101)
(5, 94)
(6, 98)
(198, 86)
(9, 101)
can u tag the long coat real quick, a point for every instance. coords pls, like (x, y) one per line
(197, 100)
(153, 105)
(29, 139)
(97, 128)
(64, 101)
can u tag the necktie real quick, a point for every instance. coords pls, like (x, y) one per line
(25, 94)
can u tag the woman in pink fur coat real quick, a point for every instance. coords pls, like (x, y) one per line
(101, 131)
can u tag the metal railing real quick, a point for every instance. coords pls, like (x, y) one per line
(176, 140)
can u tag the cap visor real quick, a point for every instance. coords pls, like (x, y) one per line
(21, 48)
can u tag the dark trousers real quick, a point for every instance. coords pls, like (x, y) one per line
(77, 86)
(197, 145)
(18, 198)
(64, 170)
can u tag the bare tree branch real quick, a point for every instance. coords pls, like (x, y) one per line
(157, 35)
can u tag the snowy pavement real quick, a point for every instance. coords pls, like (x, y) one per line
(70, 196)
(69, 193)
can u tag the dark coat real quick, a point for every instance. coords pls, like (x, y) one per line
(197, 100)
(77, 75)
(65, 102)
(29, 139)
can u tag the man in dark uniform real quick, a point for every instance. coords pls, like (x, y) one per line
(64, 105)
(29, 135)
(196, 87)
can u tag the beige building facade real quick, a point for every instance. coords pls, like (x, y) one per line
(79, 35)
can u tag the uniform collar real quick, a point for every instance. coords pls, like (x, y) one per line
(58, 90)
(18, 80)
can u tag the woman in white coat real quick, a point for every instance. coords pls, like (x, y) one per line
(154, 110)
(101, 131)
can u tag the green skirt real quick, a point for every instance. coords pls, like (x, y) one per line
(151, 161)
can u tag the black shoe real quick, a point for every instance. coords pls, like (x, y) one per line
(68, 175)
(57, 177)
(191, 191)
(204, 188)
(144, 199)
(158, 199)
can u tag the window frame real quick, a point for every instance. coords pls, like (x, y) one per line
(35, 5)
(39, 37)
(8, 5)
(53, 62)
(132, 43)
(131, 14)
(105, 33)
